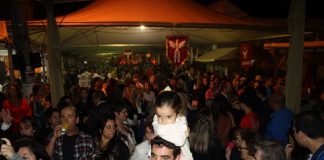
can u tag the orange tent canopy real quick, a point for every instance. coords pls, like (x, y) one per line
(3, 30)
(149, 12)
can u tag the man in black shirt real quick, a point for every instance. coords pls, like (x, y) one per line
(67, 142)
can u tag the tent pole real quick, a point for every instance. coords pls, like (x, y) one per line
(296, 27)
(11, 67)
(54, 55)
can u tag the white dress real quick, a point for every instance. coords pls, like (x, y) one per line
(175, 133)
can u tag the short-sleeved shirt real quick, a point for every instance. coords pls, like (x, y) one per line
(279, 125)
(250, 120)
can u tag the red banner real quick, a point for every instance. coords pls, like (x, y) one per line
(245, 56)
(177, 49)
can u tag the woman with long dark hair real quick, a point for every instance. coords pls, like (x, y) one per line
(203, 142)
(109, 145)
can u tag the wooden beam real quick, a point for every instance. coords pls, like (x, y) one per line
(308, 44)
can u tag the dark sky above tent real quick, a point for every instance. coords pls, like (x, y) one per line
(273, 8)
(254, 8)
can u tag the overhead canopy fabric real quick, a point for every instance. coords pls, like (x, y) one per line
(218, 54)
(3, 30)
(109, 26)
(154, 12)
(227, 8)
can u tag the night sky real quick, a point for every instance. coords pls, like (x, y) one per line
(254, 8)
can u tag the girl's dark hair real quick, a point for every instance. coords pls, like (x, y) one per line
(169, 98)
(37, 149)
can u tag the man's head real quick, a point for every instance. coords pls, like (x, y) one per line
(276, 101)
(70, 115)
(97, 97)
(308, 126)
(162, 149)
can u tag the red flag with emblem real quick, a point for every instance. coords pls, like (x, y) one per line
(177, 49)
(245, 56)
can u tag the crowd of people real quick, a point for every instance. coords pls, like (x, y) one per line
(183, 115)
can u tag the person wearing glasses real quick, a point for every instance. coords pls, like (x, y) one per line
(249, 138)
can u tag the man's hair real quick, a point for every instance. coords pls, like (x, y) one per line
(99, 95)
(72, 107)
(277, 98)
(272, 150)
(36, 148)
(309, 123)
(160, 142)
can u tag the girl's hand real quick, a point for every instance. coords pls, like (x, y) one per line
(6, 148)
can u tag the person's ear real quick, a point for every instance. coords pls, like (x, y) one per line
(302, 136)
(100, 131)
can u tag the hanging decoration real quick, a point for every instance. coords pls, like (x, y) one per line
(127, 57)
(245, 56)
(177, 49)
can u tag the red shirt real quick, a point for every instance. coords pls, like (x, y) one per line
(250, 120)
(17, 112)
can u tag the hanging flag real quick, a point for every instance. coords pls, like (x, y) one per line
(245, 56)
(177, 49)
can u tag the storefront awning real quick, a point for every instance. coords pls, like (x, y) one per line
(218, 54)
